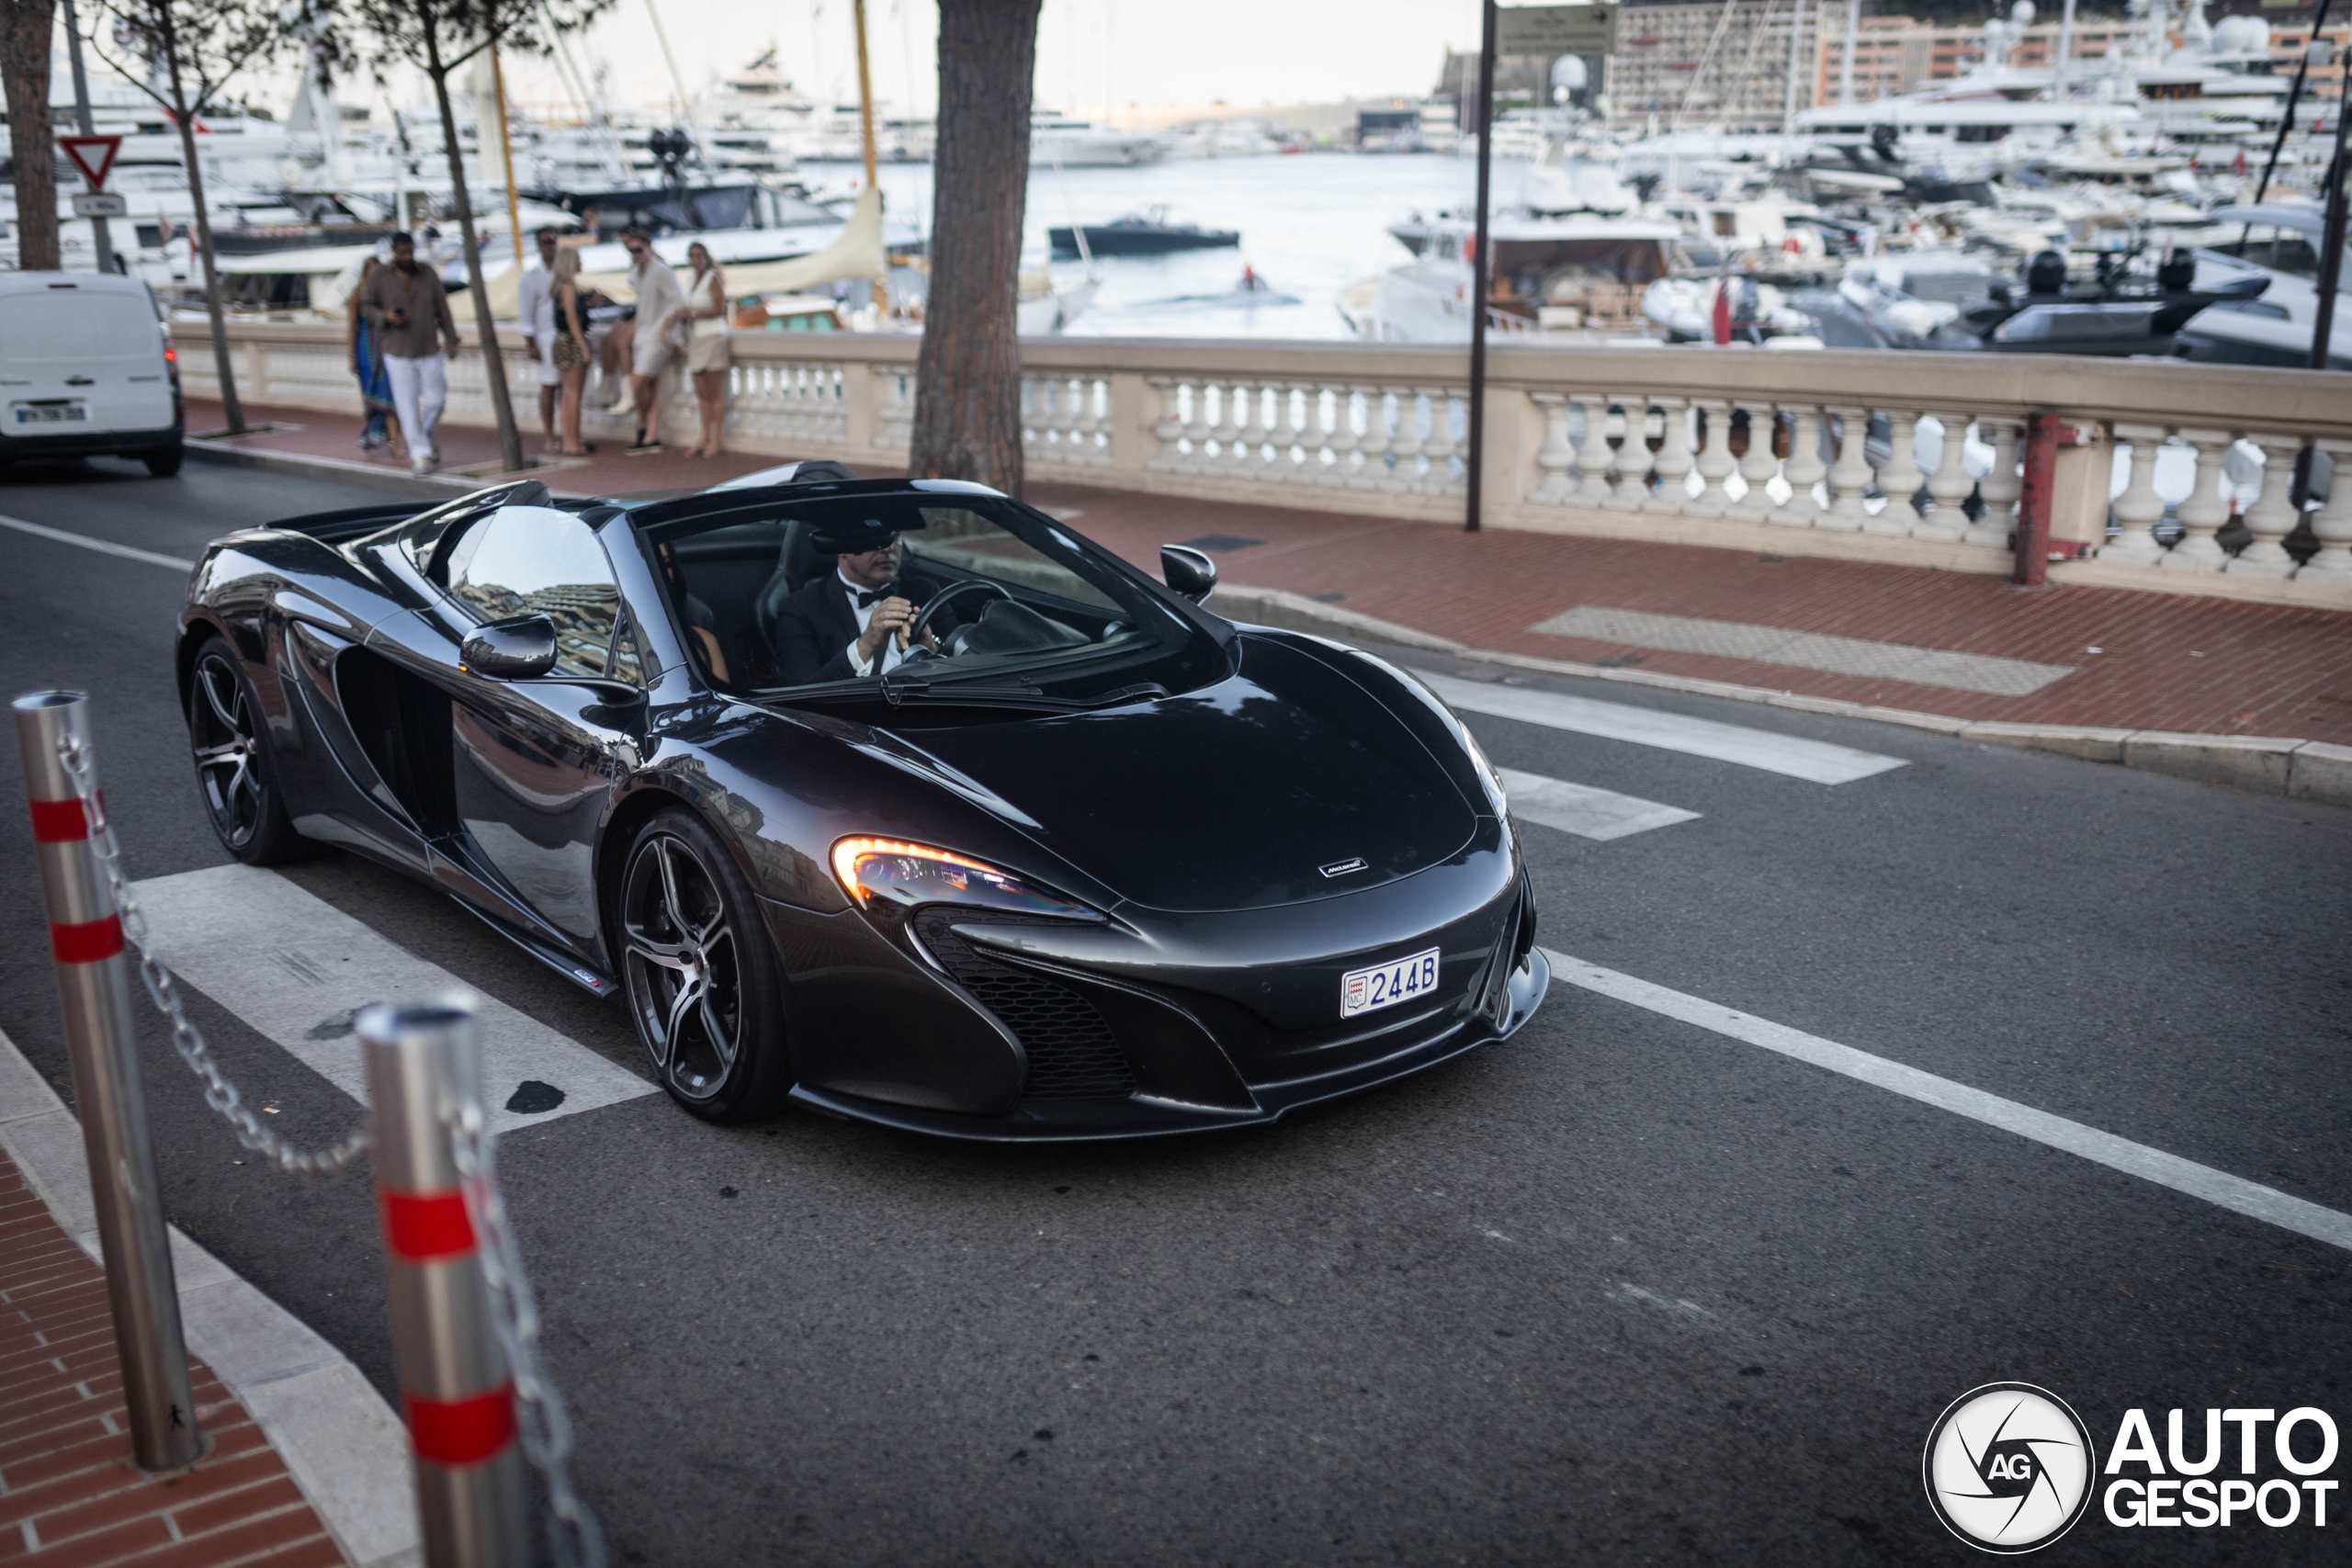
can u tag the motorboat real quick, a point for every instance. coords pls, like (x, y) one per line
(2280, 242)
(1145, 234)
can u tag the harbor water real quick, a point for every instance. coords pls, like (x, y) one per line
(1310, 224)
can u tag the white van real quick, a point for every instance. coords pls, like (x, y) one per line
(86, 369)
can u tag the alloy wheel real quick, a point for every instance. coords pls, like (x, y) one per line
(680, 958)
(227, 742)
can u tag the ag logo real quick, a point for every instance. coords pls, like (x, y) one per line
(2008, 1468)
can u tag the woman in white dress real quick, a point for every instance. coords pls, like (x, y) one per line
(707, 356)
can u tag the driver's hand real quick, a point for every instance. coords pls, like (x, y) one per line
(891, 618)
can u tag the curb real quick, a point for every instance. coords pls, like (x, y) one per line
(364, 476)
(345, 1447)
(2301, 770)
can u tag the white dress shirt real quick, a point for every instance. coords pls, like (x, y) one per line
(889, 657)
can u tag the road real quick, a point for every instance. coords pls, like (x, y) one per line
(1625, 1288)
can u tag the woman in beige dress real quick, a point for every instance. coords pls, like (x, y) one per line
(570, 350)
(707, 356)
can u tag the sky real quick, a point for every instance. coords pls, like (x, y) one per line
(1090, 53)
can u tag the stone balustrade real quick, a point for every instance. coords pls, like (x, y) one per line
(2176, 479)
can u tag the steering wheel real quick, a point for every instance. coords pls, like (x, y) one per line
(940, 599)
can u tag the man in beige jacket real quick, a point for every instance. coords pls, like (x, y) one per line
(659, 301)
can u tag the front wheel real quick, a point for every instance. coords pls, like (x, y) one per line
(702, 978)
(234, 768)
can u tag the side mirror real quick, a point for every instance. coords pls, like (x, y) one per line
(519, 649)
(1188, 572)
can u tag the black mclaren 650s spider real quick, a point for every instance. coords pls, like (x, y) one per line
(898, 799)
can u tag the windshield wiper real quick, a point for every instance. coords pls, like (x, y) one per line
(950, 694)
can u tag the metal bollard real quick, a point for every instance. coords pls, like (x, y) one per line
(457, 1393)
(94, 990)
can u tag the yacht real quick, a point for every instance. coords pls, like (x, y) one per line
(1060, 140)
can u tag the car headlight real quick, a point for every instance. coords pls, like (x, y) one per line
(884, 873)
(1489, 774)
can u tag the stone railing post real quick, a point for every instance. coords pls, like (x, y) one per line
(2000, 487)
(1138, 409)
(1595, 456)
(1900, 479)
(1849, 476)
(2139, 508)
(1716, 464)
(2205, 509)
(1949, 486)
(2273, 516)
(2333, 522)
(1758, 466)
(1674, 460)
(1804, 467)
(1633, 459)
(858, 394)
(1552, 457)
(2079, 481)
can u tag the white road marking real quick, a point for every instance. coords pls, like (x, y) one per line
(1580, 809)
(103, 546)
(2235, 1194)
(1808, 650)
(1815, 759)
(295, 967)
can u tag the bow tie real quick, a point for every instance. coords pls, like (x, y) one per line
(867, 596)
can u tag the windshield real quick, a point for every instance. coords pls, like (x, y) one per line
(898, 596)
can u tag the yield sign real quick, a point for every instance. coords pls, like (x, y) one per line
(94, 155)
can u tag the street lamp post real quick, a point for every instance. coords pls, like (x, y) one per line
(103, 242)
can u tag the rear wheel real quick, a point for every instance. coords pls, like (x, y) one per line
(234, 769)
(701, 975)
(163, 464)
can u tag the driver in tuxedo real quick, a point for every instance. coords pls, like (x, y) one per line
(854, 620)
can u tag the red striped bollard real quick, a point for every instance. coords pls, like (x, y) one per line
(102, 1042)
(456, 1394)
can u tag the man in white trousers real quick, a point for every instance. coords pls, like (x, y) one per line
(534, 311)
(410, 311)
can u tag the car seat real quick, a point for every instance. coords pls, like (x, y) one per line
(795, 564)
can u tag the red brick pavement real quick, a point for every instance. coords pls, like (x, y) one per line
(68, 1495)
(2165, 661)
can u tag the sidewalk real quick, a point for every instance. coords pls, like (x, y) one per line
(67, 1492)
(2076, 656)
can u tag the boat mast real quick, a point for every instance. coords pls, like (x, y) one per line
(865, 130)
(1797, 11)
(686, 104)
(507, 155)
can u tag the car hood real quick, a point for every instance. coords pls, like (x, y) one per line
(1233, 796)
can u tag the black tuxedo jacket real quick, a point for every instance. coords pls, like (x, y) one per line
(815, 627)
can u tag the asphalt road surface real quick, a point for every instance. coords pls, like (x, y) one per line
(1623, 1289)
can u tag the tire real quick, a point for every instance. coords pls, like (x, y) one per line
(163, 464)
(701, 977)
(237, 774)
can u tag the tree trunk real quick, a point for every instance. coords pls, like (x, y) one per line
(25, 27)
(232, 408)
(510, 436)
(968, 380)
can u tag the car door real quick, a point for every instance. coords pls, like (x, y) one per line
(534, 762)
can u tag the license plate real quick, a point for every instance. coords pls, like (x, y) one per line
(1386, 985)
(51, 414)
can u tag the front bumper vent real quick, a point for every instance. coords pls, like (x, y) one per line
(1072, 1054)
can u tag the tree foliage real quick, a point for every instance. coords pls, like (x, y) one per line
(182, 53)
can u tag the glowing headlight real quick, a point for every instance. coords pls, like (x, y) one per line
(903, 875)
(1489, 774)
